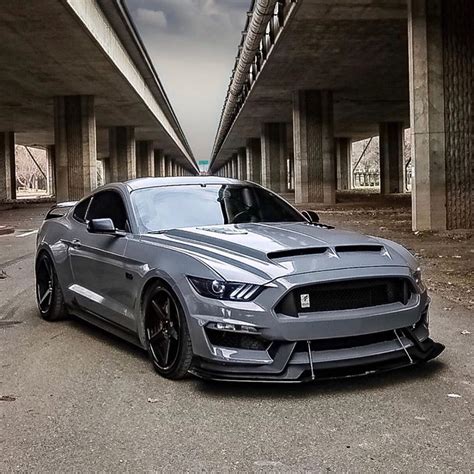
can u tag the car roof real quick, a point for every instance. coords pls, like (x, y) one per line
(142, 183)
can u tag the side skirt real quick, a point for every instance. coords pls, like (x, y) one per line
(106, 325)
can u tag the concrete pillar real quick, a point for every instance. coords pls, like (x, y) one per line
(254, 160)
(235, 171)
(160, 164)
(107, 170)
(122, 153)
(75, 145)
(291, 169)
(145, 159)
(441, 65)
(50, 170)
(313, 137)
(242, 164)
(391, 140)
(7, 166)
(169, 167)
(344, 163)
(274, 149)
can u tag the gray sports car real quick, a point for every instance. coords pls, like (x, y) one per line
(225, 280)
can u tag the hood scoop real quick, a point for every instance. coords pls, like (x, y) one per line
(359, 248)
(297, 252)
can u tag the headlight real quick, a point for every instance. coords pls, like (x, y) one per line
(418, 280)
(223, 290)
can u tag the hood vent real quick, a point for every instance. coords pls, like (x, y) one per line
(296, 252)
(359, 248)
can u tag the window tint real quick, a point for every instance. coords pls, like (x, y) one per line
(109, 204)
(174, 207)
(81, 209)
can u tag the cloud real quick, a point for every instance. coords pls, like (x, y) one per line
(193, 44)
(155, 19)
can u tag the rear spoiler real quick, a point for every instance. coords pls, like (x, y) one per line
(59, 210)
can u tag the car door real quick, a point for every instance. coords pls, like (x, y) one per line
(97, 262)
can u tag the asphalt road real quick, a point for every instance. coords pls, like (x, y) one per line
(80, 402)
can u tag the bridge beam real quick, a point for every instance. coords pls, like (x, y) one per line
(122, 153)
(391, 138)
(313, 136)
(7, 166)
(75, 145)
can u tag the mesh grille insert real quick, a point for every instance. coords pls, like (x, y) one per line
(346, 295)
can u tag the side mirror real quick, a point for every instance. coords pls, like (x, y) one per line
(311, 216)
(103, 226)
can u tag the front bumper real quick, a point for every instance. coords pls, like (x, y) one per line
(293, 367)
(312, 346)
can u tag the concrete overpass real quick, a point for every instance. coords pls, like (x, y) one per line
(313, 75)
(75, 78)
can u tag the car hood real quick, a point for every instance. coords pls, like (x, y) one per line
(270, 251)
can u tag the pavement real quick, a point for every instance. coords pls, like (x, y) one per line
(73, 398)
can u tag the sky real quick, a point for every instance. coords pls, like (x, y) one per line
(193, 45)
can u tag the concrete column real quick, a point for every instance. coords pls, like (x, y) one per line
(145, 159)
(254, 160)
(242, 164)
(169, 167)
(274, 149)
(7, 166)
(391, 141)
(441, 65)
(235, 171)
(344, 163)
(107, 170)
(160, 164)
(50, 170)
(313, 137)
(122, 153)
(75, 145)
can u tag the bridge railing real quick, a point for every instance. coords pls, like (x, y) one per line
(273, 28)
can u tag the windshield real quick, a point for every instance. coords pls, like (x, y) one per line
(174, 207)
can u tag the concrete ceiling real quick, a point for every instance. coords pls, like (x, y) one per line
(45, 52)
(356, 48)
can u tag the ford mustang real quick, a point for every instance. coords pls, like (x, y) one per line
(225, 280)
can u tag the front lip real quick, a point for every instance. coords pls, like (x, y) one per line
(419, 352)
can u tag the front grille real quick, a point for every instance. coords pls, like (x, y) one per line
(351, 294)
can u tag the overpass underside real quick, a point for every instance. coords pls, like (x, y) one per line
(76, 80)
(328, 73)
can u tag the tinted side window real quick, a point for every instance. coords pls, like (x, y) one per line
(109, 204)
(81, 209)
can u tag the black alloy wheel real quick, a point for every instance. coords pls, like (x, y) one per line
(49, 296)
(167, 334)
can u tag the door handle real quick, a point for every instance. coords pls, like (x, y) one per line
(76, 243)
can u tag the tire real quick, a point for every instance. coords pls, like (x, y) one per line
(167, 335)
(49, 296)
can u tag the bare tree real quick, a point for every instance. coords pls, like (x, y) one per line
(28, 174)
